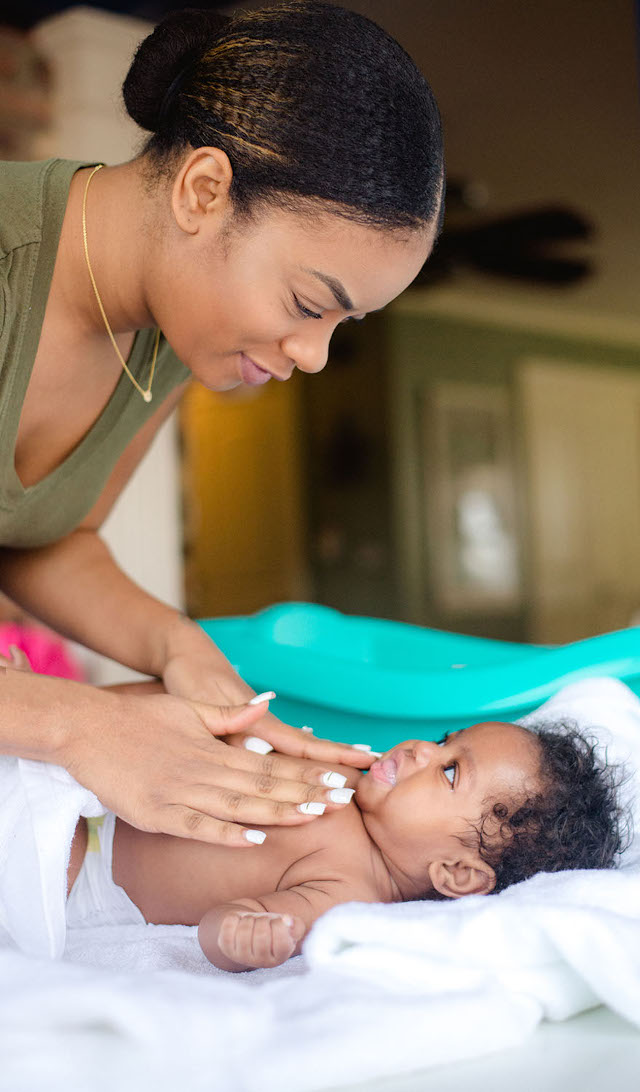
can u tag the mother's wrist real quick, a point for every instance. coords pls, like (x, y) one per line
(179, 636)
(88, 711)
(48, 719)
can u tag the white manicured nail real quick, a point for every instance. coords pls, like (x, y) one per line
(313, 807)
(267, 696)
(334, 780)
(376, 754)
(361, 746)
(306, 728)
(255, 836)
(260, 746)
(341, 796)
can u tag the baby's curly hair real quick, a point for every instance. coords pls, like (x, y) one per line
(574, 821)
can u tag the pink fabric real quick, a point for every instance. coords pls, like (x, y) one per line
(48, 654)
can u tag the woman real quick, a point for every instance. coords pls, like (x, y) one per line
(293, 180)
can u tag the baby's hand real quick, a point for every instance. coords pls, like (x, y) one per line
(259, 939)
(19, 660)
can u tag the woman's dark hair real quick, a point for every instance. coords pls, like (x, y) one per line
(575, 820)
(307, 99)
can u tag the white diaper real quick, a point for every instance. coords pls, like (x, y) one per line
(94, 898)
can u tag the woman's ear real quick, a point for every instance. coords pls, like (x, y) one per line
(453, 879)
(201, 189)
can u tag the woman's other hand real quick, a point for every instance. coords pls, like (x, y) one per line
(197, 670)
(154, 761)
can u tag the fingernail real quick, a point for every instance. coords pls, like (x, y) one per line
(334, 780)
(267, 696)
(288, 920)
(313, 807)
(341, 796)
(306, 728)
(376, 754)
(361, 746)
(260, 746)
(255, 836)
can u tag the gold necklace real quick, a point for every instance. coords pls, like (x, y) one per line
(146, 394)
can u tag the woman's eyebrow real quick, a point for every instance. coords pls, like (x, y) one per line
(337, 289)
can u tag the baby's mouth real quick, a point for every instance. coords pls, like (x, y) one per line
(384, 770)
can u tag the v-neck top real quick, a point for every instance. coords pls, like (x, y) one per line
(33, 199)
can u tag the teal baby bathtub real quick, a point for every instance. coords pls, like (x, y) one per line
(365, 680)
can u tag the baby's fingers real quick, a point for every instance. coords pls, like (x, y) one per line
(271, 941)
(259, 939)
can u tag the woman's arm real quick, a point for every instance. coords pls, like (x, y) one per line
(76, 587)
(154, 760)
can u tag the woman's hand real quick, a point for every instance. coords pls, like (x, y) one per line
(197, 670)
(154, 761)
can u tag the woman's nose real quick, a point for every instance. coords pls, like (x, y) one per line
(309, 351)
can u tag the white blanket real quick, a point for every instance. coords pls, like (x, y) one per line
(379, 990)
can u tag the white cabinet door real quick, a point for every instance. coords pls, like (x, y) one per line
(582, 456)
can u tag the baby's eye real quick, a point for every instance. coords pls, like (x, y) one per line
(450, 772)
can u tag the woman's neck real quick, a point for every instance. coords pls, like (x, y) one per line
(117, 243)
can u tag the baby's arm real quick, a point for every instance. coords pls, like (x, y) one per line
(264, 932)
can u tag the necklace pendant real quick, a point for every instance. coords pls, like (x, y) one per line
(147, 395)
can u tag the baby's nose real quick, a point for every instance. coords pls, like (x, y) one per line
(423, 751)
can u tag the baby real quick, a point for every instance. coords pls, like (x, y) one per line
(483, 808)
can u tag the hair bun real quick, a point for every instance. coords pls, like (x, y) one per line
(179, 39)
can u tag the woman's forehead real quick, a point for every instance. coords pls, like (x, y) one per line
(372, 265)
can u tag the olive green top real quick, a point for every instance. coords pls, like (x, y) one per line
(33, 198)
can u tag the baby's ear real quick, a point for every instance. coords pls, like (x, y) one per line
(453, 879)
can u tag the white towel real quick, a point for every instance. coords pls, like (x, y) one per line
(379, 990)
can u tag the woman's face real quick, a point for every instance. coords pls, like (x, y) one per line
(240, 303)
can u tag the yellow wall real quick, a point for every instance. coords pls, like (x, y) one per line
(244, 523)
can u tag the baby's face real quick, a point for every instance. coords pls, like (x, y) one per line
(420, 798)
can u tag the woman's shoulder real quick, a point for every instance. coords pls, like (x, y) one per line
(28, 190)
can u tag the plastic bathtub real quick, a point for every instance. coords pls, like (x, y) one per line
(366, 680)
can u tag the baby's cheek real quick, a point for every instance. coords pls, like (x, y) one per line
(366, 796)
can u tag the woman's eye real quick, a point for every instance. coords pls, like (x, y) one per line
(305, 311)
(450, 773)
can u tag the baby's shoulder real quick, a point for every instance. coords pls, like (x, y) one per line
(336, 850)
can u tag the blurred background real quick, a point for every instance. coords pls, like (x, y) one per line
(470, 458)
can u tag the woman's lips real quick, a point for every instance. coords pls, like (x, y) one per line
(384, 770)
(251, 373)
